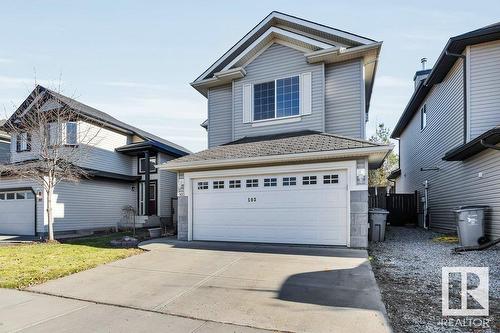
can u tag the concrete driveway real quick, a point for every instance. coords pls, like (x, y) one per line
(286, 288)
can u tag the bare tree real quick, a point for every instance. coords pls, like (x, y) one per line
(55, 138)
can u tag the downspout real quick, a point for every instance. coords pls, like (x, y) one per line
(464, 68)
(487, 145)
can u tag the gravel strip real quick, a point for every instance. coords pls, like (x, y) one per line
(407, 267)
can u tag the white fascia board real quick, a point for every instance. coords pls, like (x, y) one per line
(291, 19)
(219, 78)
(320, 27)
(277, 33)
(335, 54)
(236, 46)
(374, 152)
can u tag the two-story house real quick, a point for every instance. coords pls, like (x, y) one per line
(4, 145)
(287, 160)
(449, 131)
(117, 169)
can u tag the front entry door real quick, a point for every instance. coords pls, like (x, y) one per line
(152, 202)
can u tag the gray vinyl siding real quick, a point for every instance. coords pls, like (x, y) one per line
(220, 118)
(279, 61)
(4, 152)
(167, 188)
(102, 154)
(455, 183)
(91, 204)
(344, 105)
(484, 87)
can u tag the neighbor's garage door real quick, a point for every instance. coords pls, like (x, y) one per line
(17, 213)
(305, 208)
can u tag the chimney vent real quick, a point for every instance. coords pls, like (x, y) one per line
(423, 61)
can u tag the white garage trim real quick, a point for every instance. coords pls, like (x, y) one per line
(18, 211)
(349, 167)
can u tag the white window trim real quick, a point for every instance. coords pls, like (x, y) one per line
(275, 118)
(422, 113)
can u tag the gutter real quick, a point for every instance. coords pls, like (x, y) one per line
(285, 158)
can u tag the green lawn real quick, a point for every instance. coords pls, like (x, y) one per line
(25, 265)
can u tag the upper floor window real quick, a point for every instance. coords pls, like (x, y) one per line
(23, 142)
(71, 133)
(423, 117)
(62, 134)
(152, 164)
(276, 99)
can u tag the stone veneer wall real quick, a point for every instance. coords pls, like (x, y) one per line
(182, 218)
(359, 219)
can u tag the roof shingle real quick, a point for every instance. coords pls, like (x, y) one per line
(275, 145)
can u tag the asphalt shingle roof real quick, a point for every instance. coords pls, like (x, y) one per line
(275, 145)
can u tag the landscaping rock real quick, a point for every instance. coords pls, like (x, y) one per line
(408, 266)
(126, 241)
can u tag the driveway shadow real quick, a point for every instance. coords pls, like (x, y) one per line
(349, 288)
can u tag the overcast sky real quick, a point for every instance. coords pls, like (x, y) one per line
(135, 59)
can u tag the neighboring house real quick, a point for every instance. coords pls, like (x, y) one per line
(4, 145)
(287, 159)
(449, 132)
(118, 177)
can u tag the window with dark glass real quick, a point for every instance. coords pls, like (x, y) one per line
(71, 133)
(235, 183)
(218, 184)
(152, 164)
(202, 185)
(270, 182)
(309, 180)
(330, 179)
(252, 183)
(423, 117)
(289, 181)
(23, 142)
(276, 99)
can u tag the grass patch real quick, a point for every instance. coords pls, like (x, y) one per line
(24, 265)
(449, 239)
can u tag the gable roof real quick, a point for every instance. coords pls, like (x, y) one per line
(445, 61)
(318, 42)
(97, 115)
(280, 148)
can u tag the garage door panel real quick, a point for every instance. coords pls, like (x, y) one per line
(240, 200)
(302, 214)
(17, 217)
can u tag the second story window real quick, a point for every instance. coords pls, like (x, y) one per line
(71, 133)
(276, 99)
(152, 164)
(23, 142)
(423, 117)
(60, 134)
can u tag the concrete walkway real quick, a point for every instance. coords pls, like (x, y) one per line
(22, 311)
(284, 288)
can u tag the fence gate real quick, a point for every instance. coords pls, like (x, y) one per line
(402, 207)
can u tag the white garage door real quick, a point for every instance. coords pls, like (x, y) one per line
(17, 213)
(305, 208)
